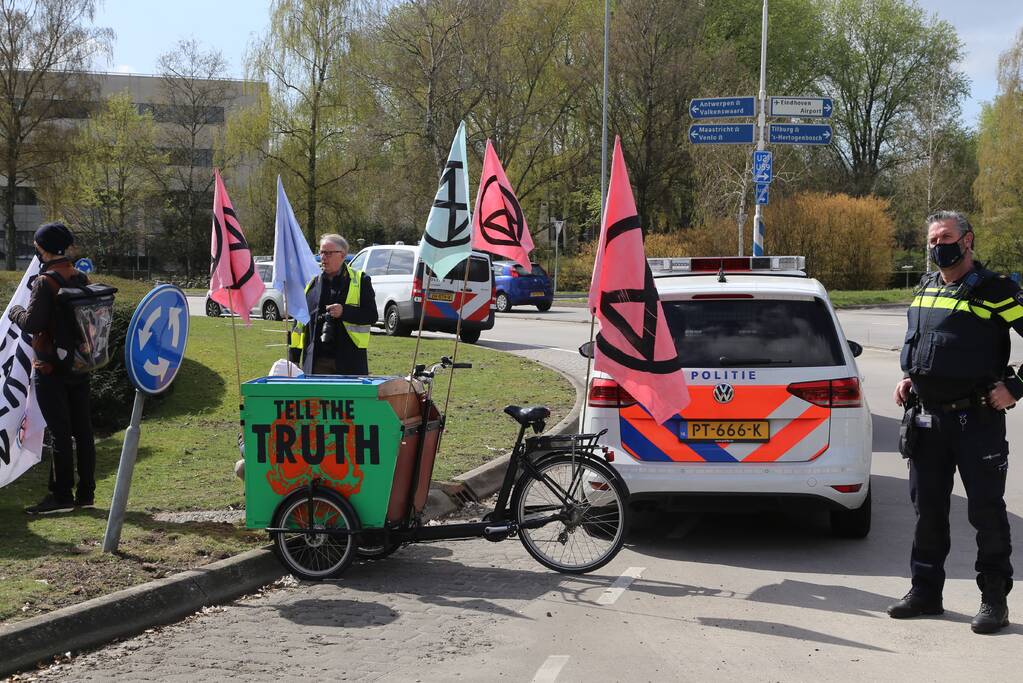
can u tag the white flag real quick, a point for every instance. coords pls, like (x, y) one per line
(21, 423)
(445, 242)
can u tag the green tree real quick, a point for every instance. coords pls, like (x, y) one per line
(881, 60)
(46, 46)
(999, 184)
(108, 184)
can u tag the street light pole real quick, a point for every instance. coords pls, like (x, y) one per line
(758, 217)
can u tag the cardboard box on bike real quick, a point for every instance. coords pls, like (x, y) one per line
(357, 435)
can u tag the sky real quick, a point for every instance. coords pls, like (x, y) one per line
(147, 28)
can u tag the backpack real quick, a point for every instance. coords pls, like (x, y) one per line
(89, 310)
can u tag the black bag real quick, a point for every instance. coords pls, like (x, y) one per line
(909, 431)
(90, 310)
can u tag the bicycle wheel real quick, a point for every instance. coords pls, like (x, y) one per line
(375, 546)
(314, 557)
(588, 499)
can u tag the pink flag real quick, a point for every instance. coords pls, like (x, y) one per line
(634, 345)
(498, 225)
(233, 281)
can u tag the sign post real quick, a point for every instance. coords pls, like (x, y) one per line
(153, 350)
(558, 227)
(758, 217)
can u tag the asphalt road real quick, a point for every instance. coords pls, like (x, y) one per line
(719, 596)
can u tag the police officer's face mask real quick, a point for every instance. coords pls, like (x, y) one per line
(947, 255)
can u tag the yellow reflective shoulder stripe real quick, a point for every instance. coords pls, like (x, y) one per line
(359, 334)
(998, 304)
(951, 303)
(1012, 314)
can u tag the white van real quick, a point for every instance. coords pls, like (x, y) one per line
(398, 281)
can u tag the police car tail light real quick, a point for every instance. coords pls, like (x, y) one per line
(417, 290)
(847, 488)
(605, 393)
(829, 393)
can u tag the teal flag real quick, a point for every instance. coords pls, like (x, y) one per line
(446, 240)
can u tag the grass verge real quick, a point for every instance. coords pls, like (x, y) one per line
(186, 456)
(870, 297)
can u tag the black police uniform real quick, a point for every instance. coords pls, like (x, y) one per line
(956, 348)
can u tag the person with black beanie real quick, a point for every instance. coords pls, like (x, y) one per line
(63, 397)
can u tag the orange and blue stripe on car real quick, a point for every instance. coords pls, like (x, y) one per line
(799, 430)
(449, 309)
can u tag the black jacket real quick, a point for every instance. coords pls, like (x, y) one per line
(348, 358)
(957, 340)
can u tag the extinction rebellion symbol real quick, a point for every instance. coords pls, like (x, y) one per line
(724, 393)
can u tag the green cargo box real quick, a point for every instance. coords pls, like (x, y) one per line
(357, 435)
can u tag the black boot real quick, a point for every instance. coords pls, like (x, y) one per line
(916, 604)
(994, 611)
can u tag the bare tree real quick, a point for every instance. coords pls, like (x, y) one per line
(45, 48)
(195, 97)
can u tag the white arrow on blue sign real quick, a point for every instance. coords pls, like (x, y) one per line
(799, 134)
(762, 192)
(721, 133)
(763, 163)
(722, 107)
(155, 344)
(801, 107)
(84, 265)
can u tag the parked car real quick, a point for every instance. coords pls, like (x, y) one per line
(777, 411)
(271, 304)
(516, 286)
(400, 282)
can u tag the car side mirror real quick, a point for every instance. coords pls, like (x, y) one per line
(586, 350)
(855, 347)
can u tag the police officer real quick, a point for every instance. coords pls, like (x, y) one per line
(342, 306)
(955, 362)
(63, 396)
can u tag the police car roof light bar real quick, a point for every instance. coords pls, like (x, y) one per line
(728, 264)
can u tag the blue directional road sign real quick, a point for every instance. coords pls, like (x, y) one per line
(801, 107)
(799, 134)
(155, 344)
(721, 134)
(762, 190)
(722, 107)
(763, 166)
(84, 265)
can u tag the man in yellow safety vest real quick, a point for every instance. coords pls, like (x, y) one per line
(342, 307)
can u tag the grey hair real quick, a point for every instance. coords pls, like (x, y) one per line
(960, 220)
(335, 239)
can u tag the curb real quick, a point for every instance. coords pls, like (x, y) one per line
(96, 622)
(132, 610)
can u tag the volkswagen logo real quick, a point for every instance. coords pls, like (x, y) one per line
(723, 393)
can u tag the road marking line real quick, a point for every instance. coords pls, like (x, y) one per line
(549, 670)
(615, 590)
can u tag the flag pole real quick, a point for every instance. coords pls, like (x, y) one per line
(458, 333)
(287, 332)
(419, 335)
(234, 335)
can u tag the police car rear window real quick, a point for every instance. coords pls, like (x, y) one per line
(716, 333)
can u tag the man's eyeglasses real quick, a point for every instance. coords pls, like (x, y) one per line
(328, 253)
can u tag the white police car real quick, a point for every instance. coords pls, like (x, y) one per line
(777, 409)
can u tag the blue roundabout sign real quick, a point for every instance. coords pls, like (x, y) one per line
(155, 344)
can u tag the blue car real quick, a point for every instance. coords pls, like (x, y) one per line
(515, 286)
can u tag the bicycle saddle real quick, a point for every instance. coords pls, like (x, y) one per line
(526, 416)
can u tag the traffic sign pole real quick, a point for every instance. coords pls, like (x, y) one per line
(129, 453)
(154, 348)
(758, 217)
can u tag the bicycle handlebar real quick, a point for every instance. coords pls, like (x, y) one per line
(424, 372)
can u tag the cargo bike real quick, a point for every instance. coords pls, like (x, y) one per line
(339, 467)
